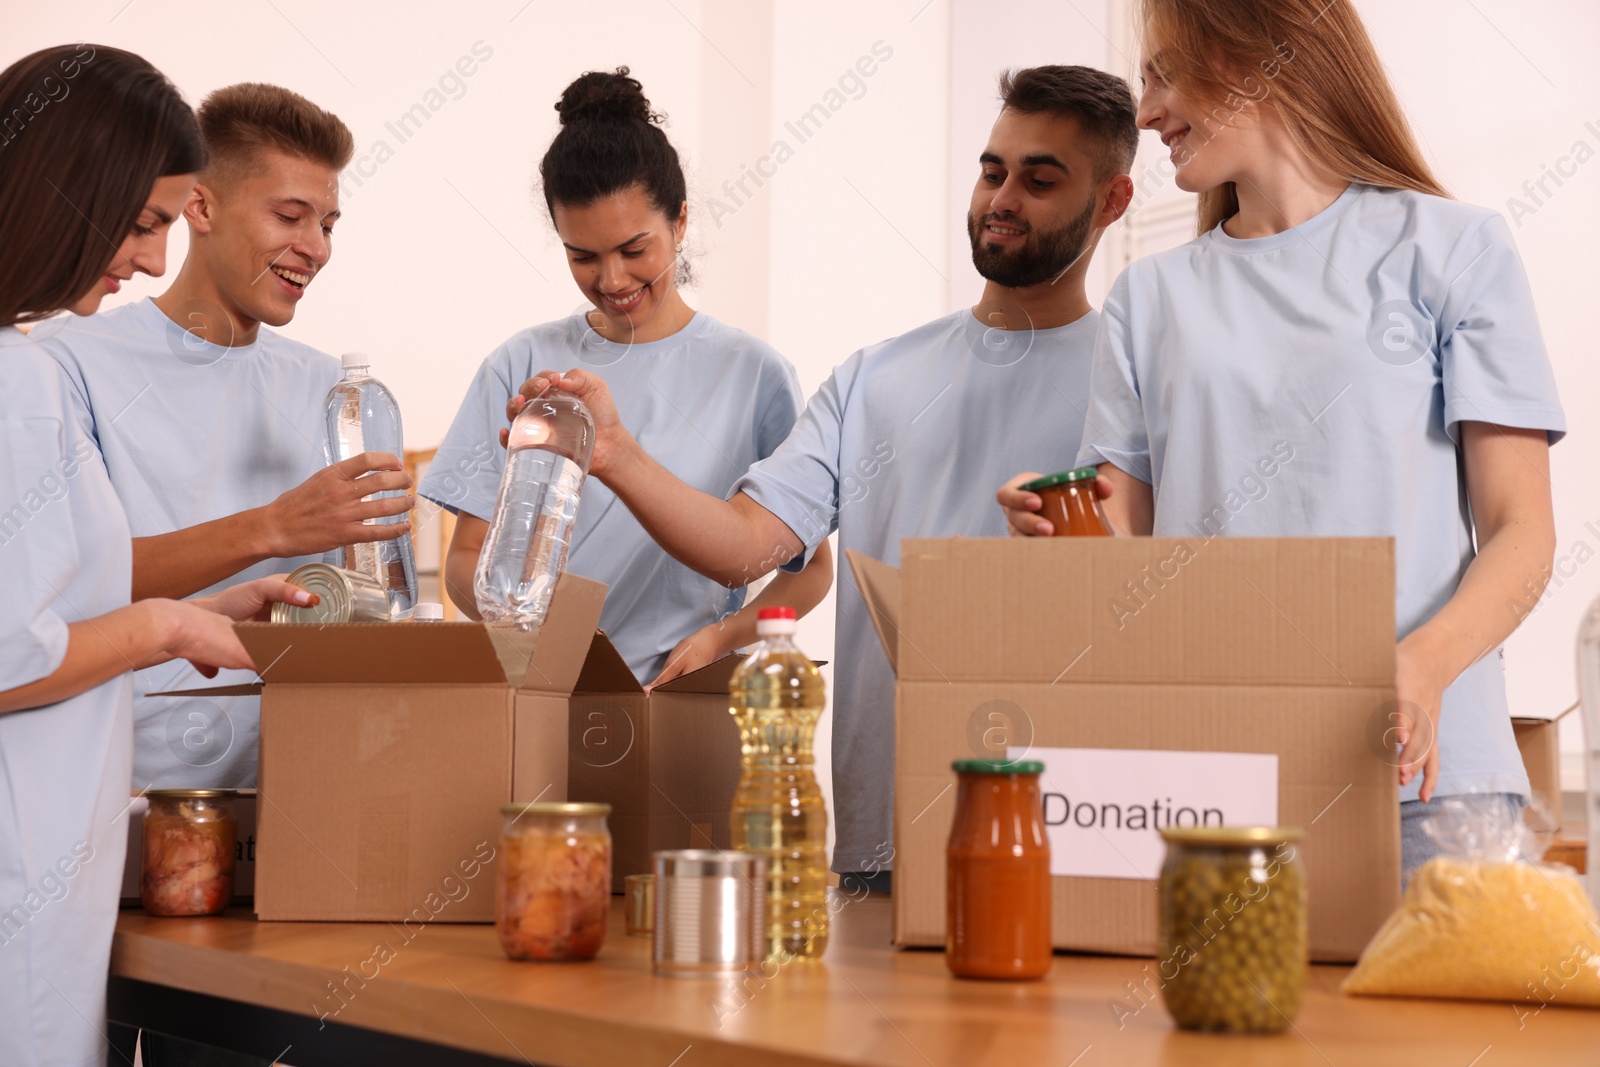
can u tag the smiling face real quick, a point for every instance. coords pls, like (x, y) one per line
(1209, 144)
(1034, 205)
(622, 252)
(267, 233)
(144, 249)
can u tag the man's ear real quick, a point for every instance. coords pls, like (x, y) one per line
(1117, 196)
(197, 212)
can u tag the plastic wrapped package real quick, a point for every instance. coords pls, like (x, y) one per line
(1485, 921)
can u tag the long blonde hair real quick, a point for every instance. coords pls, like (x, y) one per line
(1313, 61)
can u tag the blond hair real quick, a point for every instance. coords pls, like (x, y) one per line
(1319, 70)
(239, 121)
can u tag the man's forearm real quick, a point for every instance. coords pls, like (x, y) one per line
(182, 563)
(728, 541)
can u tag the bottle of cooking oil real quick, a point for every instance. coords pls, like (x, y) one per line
(776, 697)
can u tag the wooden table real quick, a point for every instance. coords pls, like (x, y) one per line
(446, 995)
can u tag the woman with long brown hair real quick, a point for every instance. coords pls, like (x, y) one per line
(1343, 350)
(97, 156)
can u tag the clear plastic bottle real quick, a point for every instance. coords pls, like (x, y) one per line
(362, 416)
(776, 696)
(1589, 696)
(525, 550)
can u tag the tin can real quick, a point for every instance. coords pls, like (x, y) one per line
(711, 911)
(640, 893)
(344, 596)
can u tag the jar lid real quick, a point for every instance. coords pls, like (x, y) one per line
(1082, 474)
(555, 808)
(997, 766)
(1230, 836)
(192, 794)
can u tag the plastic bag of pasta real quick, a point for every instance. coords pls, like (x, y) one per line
(1485, 920)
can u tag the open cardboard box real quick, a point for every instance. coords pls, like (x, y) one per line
(1230, 645)
(1539, 741)
(388, 748)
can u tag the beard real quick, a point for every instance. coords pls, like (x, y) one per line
(1042, 257)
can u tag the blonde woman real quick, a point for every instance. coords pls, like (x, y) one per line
(1343, 350)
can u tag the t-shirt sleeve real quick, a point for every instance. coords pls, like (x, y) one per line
(1491, 351)
(1114, 429)
(780, 405)
(464, 477)
(799, 481)
(36, 537)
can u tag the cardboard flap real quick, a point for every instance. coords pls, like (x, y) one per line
(1310, 611)
(712, 678)
(879, 584)
(564, 639)
(252, 690)
(372, 652)
(605, 671)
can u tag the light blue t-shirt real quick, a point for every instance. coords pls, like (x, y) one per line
(910, 438)
(192, 432)
(1311, 383)
(706, 402)
(65, 557)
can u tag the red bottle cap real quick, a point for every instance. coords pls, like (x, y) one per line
(776, 613)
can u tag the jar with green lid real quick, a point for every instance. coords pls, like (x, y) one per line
(553, 881)
(188, 849)
(1070, 500)
(1232, 928)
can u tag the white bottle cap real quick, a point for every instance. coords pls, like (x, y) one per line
(426, 612)
(354, 359)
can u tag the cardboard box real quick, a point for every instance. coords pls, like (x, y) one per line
(387, 750)
(666, 761)
(1539, 741)
(244, 873)
(1280, 646)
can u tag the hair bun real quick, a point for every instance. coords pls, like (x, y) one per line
(601, 97)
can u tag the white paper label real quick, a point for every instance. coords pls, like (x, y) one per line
(1103, 807)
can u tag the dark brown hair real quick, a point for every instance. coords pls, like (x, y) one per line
(238, 121)
(610, 140)
(85, 131)
(1102, 103)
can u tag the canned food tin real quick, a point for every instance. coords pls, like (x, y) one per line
(344, 596)
(711, 911)
(640, 890)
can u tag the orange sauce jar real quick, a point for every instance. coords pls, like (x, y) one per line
(1071, 502)
(997, 873)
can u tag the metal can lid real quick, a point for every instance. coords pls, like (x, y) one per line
(1081, 474)
(708, 863)
(192, 794)
(555, 808)
(997, 766)
(1230, 836)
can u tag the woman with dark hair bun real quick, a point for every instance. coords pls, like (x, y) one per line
(97, 148)
(705, 398)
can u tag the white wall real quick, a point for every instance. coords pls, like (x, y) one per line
(857, 235)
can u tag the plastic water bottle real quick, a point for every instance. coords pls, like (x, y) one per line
(1589, 696)
(362, 416)
(525, 550)
(776, 696)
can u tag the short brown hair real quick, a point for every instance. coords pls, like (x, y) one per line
(1102, 103)
(85, 131)
(239, 121)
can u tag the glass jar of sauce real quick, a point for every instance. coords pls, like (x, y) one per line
(553, 881)
(1071, 502)
(997, 873)
(1232, 928)
(188, 849)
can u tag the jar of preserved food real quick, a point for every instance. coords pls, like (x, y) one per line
(553, 886)
(997, 873)
(1233, 928)
(1071, 502)
(188, 851)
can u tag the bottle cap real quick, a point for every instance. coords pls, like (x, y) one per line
(775, 621)
(426, 612)
(355, 359)
(1082, 474)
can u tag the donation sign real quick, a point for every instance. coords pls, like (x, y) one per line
(1104, 807)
